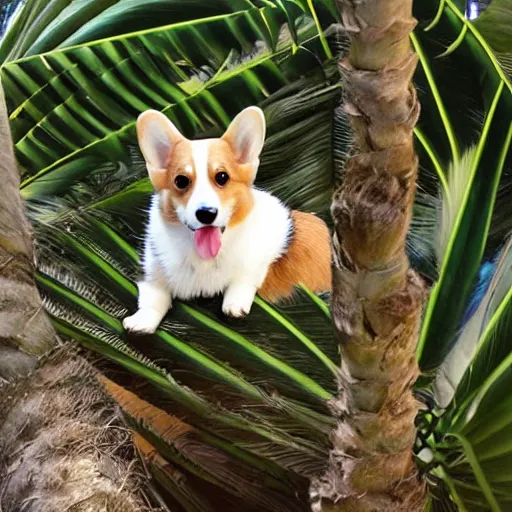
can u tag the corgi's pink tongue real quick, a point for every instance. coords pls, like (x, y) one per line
(207, 242)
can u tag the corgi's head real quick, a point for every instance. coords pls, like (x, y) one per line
(204, 184)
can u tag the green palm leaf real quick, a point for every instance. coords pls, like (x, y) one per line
(468, 358)
(475, 448)
(99, 96)
(474, 200)
(45, 26)
(495, 25)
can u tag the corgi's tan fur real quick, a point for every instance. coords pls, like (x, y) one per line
(307, 260)
(210, 231)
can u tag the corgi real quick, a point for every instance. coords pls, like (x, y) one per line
(211, 231)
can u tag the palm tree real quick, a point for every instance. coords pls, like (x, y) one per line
(376, 299)
(241, 415)
(62, 442)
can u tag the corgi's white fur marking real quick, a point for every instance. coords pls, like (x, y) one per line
(206, 235)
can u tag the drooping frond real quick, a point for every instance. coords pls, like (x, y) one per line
(470, 441)
(197, 454)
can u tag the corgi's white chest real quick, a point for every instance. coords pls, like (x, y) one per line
(190, 277)
(247, 250)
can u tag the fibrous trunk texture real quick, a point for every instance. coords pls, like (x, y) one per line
(25, 331)
(377, 299)
(63, 446)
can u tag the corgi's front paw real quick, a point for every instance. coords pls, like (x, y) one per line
(238, 300)
(236, 310)
(144, 321)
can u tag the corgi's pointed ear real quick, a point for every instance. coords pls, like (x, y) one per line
(246, 135)
(157, 136)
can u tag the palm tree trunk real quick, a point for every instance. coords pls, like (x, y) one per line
(377, 299)
(25, 331)
(62, 442)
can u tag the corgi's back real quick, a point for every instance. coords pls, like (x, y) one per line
(307, 260)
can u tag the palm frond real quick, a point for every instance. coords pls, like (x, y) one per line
(475, 445)
(97, 95)
(208, 460)
(464, 339)
(282, 418)
(478, 115)
(45, 26)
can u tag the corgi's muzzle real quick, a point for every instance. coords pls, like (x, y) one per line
(207, 227)
(207, 238)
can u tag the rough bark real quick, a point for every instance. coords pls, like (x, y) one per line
(377, 299)
(25, 331)
(63, 446)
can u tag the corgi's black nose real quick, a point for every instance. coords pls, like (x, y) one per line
(206, 215)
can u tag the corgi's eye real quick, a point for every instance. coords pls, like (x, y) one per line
(221, 178)
(182, 181)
